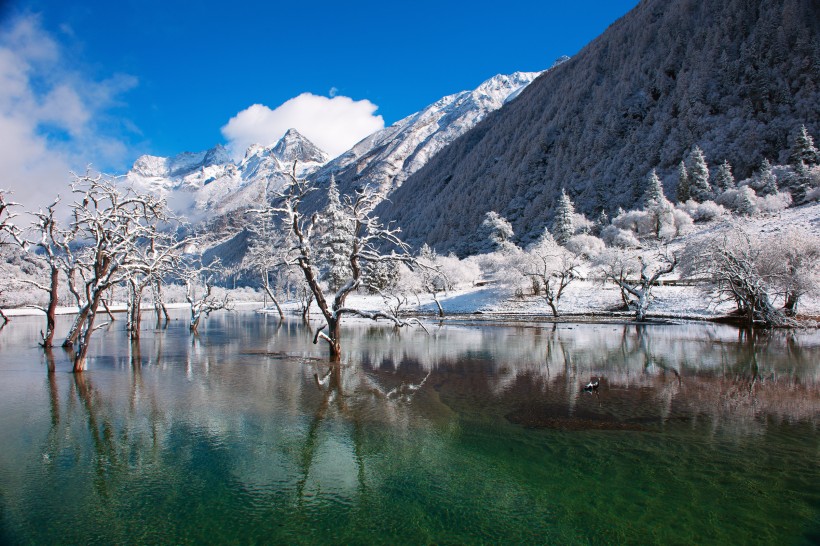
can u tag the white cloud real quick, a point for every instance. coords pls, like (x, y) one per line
(333, 124)
(51, 115)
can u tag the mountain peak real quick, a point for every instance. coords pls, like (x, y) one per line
(294, 146)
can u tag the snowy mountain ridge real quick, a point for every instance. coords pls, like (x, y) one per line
(210, 183)
(388, 157)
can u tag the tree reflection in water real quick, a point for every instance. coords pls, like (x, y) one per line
(249, 419)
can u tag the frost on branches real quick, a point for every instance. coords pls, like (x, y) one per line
(117, 229)
(366, 247)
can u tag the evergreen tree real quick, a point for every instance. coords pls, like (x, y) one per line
(601, 222)
(699, 187)
(653, 194)
(765, 182)
(562, 225)
(683, 193)
(724, 179)
(335, 240)
(803, 150)
(798, 183)
(500, 230)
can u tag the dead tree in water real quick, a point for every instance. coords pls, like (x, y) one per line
(368, 238)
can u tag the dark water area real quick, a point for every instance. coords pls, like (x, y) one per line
(471, 433)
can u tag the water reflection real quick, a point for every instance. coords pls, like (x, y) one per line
(248, 422)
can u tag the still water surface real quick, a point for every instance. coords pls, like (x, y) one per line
(473, 433)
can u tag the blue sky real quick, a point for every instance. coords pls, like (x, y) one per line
(166, 77)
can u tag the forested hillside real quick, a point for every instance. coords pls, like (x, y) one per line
(735, 77)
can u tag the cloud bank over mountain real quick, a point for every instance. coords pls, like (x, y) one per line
(334, 124)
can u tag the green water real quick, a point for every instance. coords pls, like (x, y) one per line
(473, 433)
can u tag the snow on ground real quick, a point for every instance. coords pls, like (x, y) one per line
(583, 297)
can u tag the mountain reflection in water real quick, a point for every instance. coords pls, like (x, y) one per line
(474, 431)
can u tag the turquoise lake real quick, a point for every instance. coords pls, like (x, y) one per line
(470, 433)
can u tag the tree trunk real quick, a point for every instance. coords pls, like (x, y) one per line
(270, 294)
(790, 307)
(553, 307)
(85, 340)
(438, 304)
(51, 311)
(76, 328)
(334, 328)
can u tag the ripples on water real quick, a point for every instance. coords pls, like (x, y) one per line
(473, 433)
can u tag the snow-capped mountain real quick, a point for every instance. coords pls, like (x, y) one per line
(211, 182)
(294, 147)
(734, 77)
(388, 157)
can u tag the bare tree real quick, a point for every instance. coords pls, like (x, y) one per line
(552, 267)
(735, 266)
(199, 289)
(267, 252)
(368, 240)
(9, 232)
(110, 224)
(54, 243)
(430, 276)
(793, 261)
(155, 256)
(619, 265)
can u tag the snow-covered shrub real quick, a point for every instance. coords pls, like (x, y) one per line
(587, 246)
(740, 201)
(459, 273)
(681, 223)
(582, 224)
(661, 221)
(813, 195)
(774, 202)
(636, 221)
(615, 236)
(246, 294)
(501, 267)
(702, 212)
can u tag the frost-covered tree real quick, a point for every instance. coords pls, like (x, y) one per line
(552, 267)
(563, 226)
(735, 264)
(765, 181)
(155, 256)
(380, 277)
(499, 230)
(620, 267)
(369, 239)
(431, 277)
(683, 193)
(600, 223)
(802, 149)
(742, 200)
(793, 260)
(111, 224)
(724, 179)
(267, 252)
(199, 279)
(699, 188)
(335, 230)
(653, 194)
(798, 183)
(53, 243)
(9, 232)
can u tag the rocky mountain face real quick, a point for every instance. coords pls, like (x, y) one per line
(208, 184)
(735, 77)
